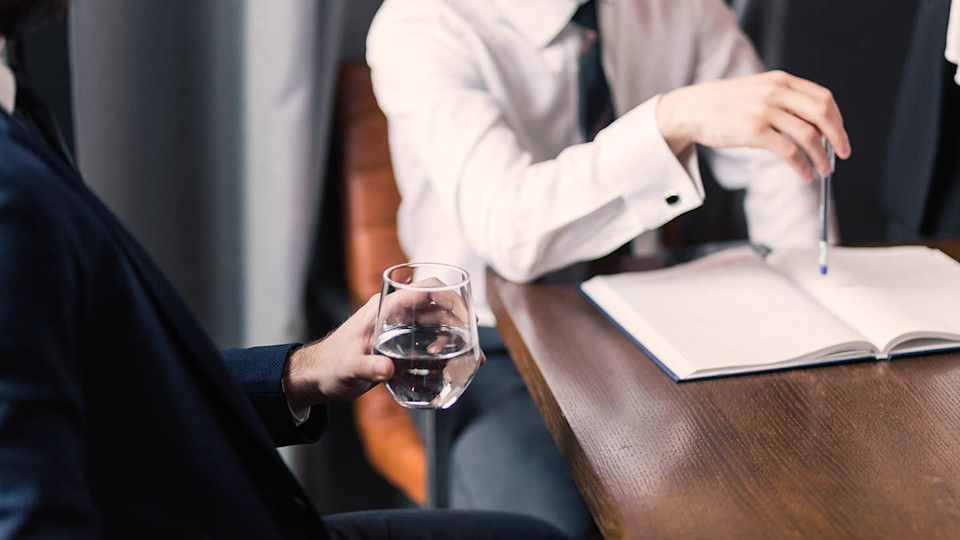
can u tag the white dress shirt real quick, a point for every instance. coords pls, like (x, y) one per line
(8, 85)
(481, 98)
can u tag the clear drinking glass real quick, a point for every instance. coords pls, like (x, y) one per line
(427, 326)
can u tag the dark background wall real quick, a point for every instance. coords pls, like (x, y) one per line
(857, 49)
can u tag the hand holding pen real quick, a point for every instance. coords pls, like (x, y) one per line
(782, 113)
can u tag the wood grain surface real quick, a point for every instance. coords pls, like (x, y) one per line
(862, 450)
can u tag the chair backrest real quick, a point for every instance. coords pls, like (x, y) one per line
(369, 189)
(370, 201)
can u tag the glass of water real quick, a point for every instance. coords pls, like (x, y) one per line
(427, 326)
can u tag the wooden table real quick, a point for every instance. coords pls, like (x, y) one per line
(862, 450)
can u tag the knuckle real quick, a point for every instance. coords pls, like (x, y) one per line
(793, 153)
(779, 76)
(824, 109)
(756, 127)
(810, 135)
(767, 94)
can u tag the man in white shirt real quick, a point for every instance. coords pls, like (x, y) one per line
(494, 169)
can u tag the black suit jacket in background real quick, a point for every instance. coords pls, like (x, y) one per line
(920, 191)
(118, 418)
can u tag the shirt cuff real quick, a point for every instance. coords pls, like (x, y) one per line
(300, 416)
(655, 185)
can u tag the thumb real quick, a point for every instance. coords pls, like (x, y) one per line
(373, 368)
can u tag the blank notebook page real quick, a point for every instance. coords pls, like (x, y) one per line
(727, 309)
(883, 292)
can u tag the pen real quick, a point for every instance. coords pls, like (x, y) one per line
(825, 208)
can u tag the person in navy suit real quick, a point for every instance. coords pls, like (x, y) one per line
(118, 417)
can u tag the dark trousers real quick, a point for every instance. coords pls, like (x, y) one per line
(436, 525)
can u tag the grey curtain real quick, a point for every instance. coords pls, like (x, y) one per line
(204, 126)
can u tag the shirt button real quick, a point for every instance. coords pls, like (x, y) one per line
(672, 197)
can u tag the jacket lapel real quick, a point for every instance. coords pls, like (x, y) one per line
(262, 462)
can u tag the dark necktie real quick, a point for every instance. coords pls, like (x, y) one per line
(596, 108)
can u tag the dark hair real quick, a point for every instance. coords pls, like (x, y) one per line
(17, 15)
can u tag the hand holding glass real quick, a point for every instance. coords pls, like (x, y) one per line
(427, 326)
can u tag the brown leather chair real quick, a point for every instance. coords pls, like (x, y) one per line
(370, 200)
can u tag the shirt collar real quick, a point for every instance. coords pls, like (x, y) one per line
(539, 20)
(8, 84)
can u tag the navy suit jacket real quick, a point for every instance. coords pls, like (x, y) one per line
(118, 417)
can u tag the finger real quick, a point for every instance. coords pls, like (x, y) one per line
(449, 299)
(430, 314)
(407, 299)
(418, 295)
(436, 315)
(398, 303)
(461, 369)
(452, 301)
(429, 282)
(438, 345)
(804, 135)
(366, 316)
(373, 367)
(816, 105)
(414, 294)
(787, 151)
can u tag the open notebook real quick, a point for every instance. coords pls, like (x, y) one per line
(738, 312)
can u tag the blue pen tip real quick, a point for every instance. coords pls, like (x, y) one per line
(823, 270)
